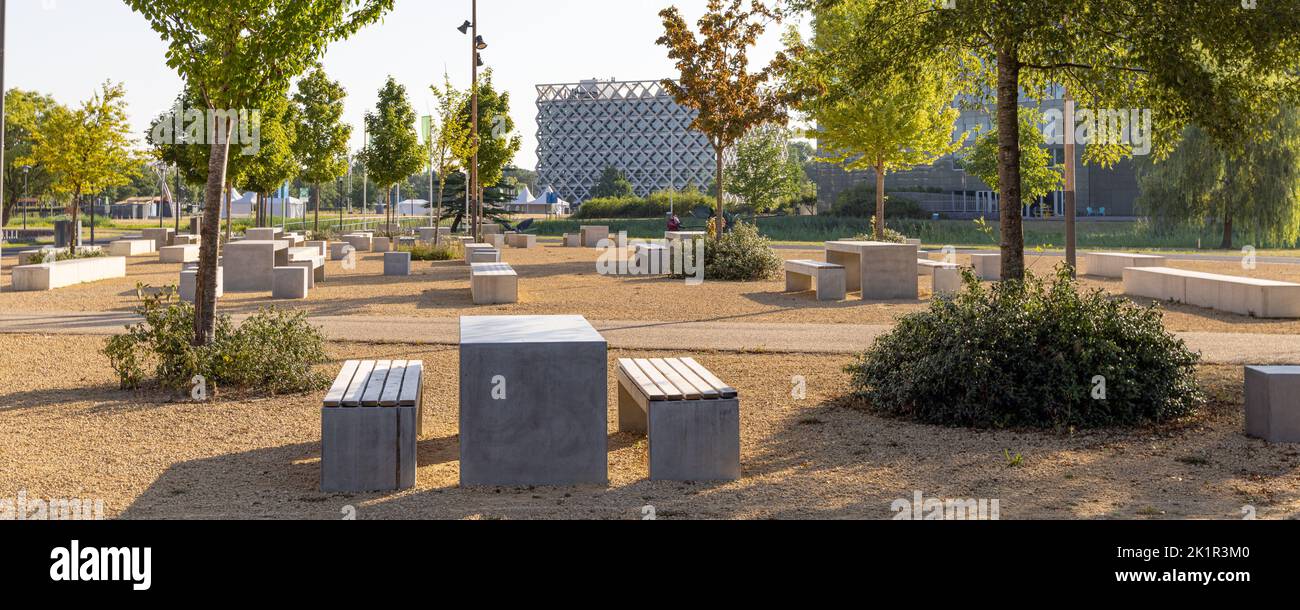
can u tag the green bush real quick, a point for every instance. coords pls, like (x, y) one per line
(61, 254)
(742, 255)
(446, 250)
(889, 235)
(273, 350)
(1029, 355)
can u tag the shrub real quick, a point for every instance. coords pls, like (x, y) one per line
(889, 235)
(860, 202)
(446, 250)
(273, 351)
(61, 254)
(657, 205)
(741, 255)
(1029, 355)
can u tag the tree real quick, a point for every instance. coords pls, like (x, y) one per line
(1037, 175)
(612, 183)
(1257, 188)
(25, 114)
(322, 142)
(394, 151)
(275, 163)
(904, 120)
(496, 150)
(88, 149)
(443, 138)
(237, 54)
(765, 175)
(1215, 64)
(715, 80)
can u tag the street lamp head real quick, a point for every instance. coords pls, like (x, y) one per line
(464, 27)
(479, 44)
(479, 58)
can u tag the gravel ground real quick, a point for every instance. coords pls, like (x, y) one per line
(67, 431)
(556, 280)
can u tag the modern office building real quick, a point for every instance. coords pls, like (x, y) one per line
(946, 189)
(633, 126)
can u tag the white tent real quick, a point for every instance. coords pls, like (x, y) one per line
(525, 196)
(242, 206)
(549, 202)
(413, 207)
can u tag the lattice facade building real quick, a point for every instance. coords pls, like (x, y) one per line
(632, 126)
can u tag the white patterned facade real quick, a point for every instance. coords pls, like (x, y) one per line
(632, 126)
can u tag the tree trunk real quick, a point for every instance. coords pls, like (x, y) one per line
(880, 202)
(316, 218)
(205, 294)
(442, 184)
(1227, 226)
(717, 153)
(230, 220)
(76, 214)
(1013, 239)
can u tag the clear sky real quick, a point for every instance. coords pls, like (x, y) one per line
(66, 48)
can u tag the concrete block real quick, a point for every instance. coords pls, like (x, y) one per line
(161, 237)
(189, 284)
(988, 267)
(1273, 403)
(1113, 264)
(521, 240)
(321, 247)
(253, 264)
(572, 240)
(493, 284)
(262, 233)
(592, 235)
(427, 233)
(397, 263)
(60, 274)
(381, 244)
(830, 279)
(290, 283)
(947, 280)
(179, 254)
(483, 255)
(187, 240)
(339, 250)
(361, 242)
(533, 404)
(131, 247)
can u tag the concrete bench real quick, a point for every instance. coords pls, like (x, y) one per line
(572, 240)
(483, 255)
(311, 260)
(472, 247)
(321, 247)
(370, 424)
(987, 266)
(947, 280)
(830, 279)
(131, 247)
(263, 234)
(591, 236)
(496, 240)
(179, 254)
(291, 283)
(691, 419)
(491, 228)
(252, 264)
(925, 266)
(912, 242)
(161, 237)
(1113, 264)
(685, 235)
(190, 280)
(1240, 295)
(397, 264)
(187, 240)
(60, 274)
(521, 240)
(361, 242)
(1273, 403)
(493, 284)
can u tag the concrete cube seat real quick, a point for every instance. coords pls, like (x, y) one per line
(179, 254)
(925, 266)
(947, 280)
(472, 247)
(1273, 403)
(691, 419)
(521, 240)
(381, 244)
(252, 264)
(291, 283)
(189, 284)
(1234, 294)
(496, 240)
(321, 247)
(60, 274)
(591, 236)
(830, 279)
(684, 235)
(1113, 264)
(427, 234)
(493, 284)
(491, 228)
(338, 250)
(161, 237)
(361, 242)
(131, 247)
(572, 240)
(483, 255)
(371, 421)
(187, 240)
(262, 234)
(308, 259)
(397, 264)
(987, 266)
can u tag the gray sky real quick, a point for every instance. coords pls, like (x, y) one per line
(66, 48)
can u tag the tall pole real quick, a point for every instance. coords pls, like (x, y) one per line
(476, 201)
(3, 10)
(1071, 255)
(26, 193)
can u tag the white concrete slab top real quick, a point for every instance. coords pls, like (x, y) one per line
(527, 329)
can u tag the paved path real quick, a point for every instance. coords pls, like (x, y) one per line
(1217, 348)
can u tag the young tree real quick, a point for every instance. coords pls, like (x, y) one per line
(394, 151)
(715, 80)
(903, 121)
(88, 149)
(25, 114)
(764, 174)
(1037, 175)
(497, 144)
(612, 183)
(1257, 189)
(1215, 64)
(322, 139)
(237, 54)
(275, 163)
(445, 134)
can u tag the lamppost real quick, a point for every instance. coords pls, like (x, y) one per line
(476, 45)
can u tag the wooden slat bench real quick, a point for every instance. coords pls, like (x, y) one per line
(371, 420)
(690, 418)
(493, 283)
(831, 278)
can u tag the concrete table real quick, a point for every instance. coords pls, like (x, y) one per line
(161, 237)
(253, 263)
(881, 270)
(684, 235)
(533, 402)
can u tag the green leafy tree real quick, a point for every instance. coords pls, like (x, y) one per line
(322, 140)
(498, 143)
(715, 79)
(446, 133)
(904, 120)
(394, 151)
(1214, 64)
(612, 184)
(1256, 189)
(275, 162)
(764, 174)
(25, 114)
(86, 150)
(1037, 175)
(238, 54)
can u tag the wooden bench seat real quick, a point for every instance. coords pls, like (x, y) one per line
(371, 420)
(690, 417)
(830, 278)
(1246, 296)
(493, 283)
